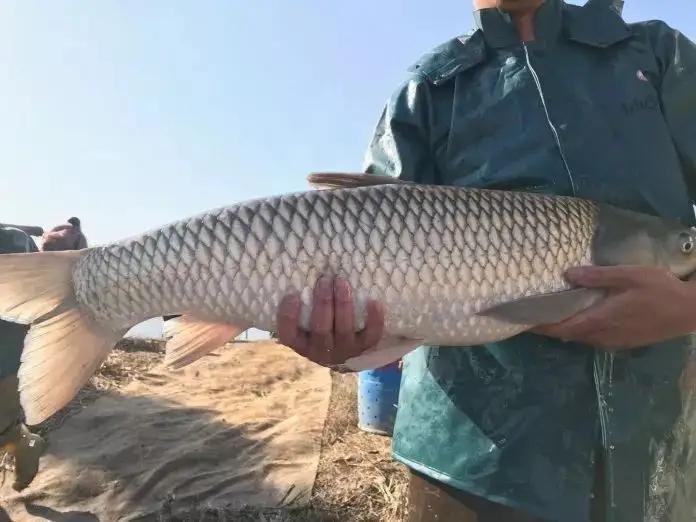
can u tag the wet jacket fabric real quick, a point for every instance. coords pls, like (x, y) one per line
(596, 108)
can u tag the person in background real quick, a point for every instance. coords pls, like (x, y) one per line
(584, 420)
(15, 438)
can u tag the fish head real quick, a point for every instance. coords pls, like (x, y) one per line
(625, 237)
(679, 251)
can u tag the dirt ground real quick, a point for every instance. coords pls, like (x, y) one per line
(357, 480)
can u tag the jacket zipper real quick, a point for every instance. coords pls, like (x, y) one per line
(598, 376)
(556, 136)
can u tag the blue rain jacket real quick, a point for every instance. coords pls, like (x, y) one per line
(596, 108)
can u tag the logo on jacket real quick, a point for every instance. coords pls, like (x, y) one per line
(636, 105)
(641, 76)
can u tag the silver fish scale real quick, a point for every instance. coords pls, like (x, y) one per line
(433, 255)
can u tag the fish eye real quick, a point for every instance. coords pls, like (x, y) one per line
(687, 245)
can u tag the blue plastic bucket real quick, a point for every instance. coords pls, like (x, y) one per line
(378, 396)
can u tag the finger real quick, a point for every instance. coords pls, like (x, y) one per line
(577, 332)
(606, 276)
(574, 328)
(374, 327)
(556, 332)
(548, 330)
(562, 327)
(288, 324)
(322, 318)
(344, 315)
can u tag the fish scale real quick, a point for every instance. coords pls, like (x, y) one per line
(405, 245)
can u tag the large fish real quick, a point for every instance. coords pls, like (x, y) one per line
(453, 266)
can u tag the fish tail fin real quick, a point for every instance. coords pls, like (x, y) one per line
(64, 346)
(34, 285)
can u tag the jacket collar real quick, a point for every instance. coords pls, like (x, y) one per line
(597, 24)
(499, 31)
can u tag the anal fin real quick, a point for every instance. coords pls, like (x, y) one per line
(191, 338)
(544, 308)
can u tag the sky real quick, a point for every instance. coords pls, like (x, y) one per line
(132, 114)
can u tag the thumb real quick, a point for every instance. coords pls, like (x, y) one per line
(604, 276)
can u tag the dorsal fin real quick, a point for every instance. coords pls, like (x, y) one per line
(337, 180)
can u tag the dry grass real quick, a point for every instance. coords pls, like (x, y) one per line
(357, 480)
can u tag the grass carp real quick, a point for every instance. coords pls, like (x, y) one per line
(452, 266)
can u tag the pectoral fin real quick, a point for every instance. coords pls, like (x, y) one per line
(544, 308)
(192, 338)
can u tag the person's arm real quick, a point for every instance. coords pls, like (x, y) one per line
(676, 55)
(401, 143)
(13, 240)
(647, 305)
(399, 148)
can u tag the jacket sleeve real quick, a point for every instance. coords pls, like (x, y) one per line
(401, 144)
(676, 55)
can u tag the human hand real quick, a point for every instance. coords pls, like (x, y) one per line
(67, 236)
(332, 338)
(643, 305)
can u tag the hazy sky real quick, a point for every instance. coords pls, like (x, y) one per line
(131, 114)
